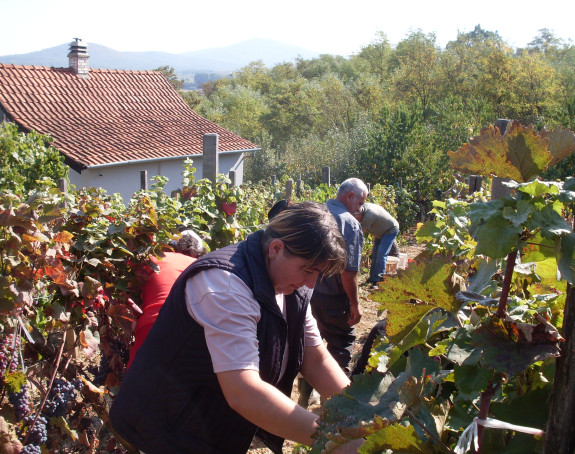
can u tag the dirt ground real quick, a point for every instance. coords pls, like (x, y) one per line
(368, 320)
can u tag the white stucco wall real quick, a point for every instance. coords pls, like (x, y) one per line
(125, 178)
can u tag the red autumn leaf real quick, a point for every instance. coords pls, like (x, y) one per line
(229, 208)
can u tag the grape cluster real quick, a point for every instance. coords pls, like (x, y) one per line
(31, 449)
(21, 402)
(37, 435)
(61, 394)
(9, 354)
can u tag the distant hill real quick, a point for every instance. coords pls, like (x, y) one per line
(209, 64)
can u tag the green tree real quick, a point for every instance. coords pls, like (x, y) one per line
(171, 77)
(417, 76)
(26, 159)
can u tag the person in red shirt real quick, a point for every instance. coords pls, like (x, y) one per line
(187, 249)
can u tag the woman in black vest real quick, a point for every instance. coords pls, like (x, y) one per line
(217, 367)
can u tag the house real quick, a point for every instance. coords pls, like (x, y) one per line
(115, 126)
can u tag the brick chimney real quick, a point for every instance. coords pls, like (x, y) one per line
(79, 58)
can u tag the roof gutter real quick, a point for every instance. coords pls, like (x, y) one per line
(168, 158)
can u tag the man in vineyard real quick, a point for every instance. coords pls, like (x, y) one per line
(384, 228)
(335, 300)
(219, 362)
(187, 249)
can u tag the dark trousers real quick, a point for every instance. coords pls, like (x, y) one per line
(332, 315)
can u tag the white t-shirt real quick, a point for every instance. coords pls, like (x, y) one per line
(225, 306)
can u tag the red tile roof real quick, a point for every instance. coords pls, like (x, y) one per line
(112, 116)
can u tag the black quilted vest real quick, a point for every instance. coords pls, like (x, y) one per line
(170, 400)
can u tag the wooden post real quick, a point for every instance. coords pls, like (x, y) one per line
(144, 180)
(289, 189)
(475, 183)
(560, 431)
(63, 186)
(233, 177)
(299, 186)
(325, 175)
(274, 180)
(400, 182)
(210, 161)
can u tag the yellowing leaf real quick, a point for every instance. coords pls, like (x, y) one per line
(561, 144)
(520, 154)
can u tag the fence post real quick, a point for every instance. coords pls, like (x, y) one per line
(475, 183)
(63, 186)
(144, 180)
(274, 180)
(210, 161)
(400, 183)
(299, 186)
(325, 175)
(233, 177)
(289, 189)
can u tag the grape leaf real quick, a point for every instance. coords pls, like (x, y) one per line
(561, 144)
(510, 348)
(371, 403)
(520, 154)
(472, 379)
(496, 238)
(396, 437)
(566, 257)
(410, 294)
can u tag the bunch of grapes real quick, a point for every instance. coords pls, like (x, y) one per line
(37, 435)
(31, 449)
(61, 394)
(21, 402)
(9, 348)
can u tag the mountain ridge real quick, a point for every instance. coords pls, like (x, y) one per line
(217, 59)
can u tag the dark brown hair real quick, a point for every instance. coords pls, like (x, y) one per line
(308, 230)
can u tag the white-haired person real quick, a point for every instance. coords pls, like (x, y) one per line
(218, 366)
(187, 249)
(335, 301)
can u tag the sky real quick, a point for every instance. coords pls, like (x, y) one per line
(333, 27)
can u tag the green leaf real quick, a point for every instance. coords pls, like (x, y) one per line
(472, 379)
(536, 188)
(549, 221)
(371, 403)
(496, 238)
(427, 232)
(435, 321)
(505, 348)
(538, 248)
(518, 215)
(483, 211)
(566, 258)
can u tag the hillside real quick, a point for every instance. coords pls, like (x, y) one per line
(212, 63)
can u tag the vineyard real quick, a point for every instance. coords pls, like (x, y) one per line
(474, 325)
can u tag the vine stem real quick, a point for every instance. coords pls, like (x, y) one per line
(487, 395)
(52, 377)
(485, 402)
(509, 267)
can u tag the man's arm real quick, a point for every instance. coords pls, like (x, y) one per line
(349, 282)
